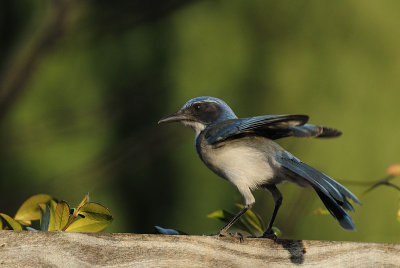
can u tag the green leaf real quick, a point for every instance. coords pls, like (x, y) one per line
(87, 225)
(247, 227)
(226, 216)
(13, 224)
(30, 209)
(61, 215)
(52, 222)
(219, 215)
(95, 211)
(26, 223)
(42, 207)
(253, 219)
(276, 231)
(95, 218)
(1, 224)
(45, 221)
(166, 231)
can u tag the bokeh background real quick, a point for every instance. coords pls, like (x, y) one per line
(83, 84)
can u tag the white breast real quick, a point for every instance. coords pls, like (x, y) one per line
(242, 165)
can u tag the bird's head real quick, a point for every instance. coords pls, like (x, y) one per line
(200, 112)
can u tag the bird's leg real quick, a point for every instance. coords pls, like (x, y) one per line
(277, 196)
(223, 231)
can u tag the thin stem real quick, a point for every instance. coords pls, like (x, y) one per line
(384, 181)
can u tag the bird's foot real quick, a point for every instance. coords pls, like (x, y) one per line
(269, 233)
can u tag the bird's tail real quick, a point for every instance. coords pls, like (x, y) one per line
(336, 210)
(333, 194)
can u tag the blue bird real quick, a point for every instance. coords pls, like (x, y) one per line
(243, 151)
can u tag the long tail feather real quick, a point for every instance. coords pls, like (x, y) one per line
(336, 211)
(333, 194)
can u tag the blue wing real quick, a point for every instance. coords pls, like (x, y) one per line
(269, 126)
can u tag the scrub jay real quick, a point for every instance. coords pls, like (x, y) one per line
(243, 151)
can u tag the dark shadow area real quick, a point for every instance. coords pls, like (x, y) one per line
(295, 248)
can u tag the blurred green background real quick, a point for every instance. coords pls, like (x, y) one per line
(83, 84)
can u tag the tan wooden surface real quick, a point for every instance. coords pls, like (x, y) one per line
(61, 249)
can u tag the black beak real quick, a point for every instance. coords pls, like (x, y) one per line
(175, 117)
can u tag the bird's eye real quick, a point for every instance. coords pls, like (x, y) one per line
(197, 107)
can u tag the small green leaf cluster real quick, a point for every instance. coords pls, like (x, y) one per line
(54, 215)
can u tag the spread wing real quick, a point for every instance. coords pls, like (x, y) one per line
(269, 126)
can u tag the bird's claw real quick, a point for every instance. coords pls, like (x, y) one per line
(269, 234)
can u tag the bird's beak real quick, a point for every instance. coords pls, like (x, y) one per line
(175, 117)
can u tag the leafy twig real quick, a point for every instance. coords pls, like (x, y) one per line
(76, 212)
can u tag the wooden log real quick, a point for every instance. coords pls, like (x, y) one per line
(63, 249)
